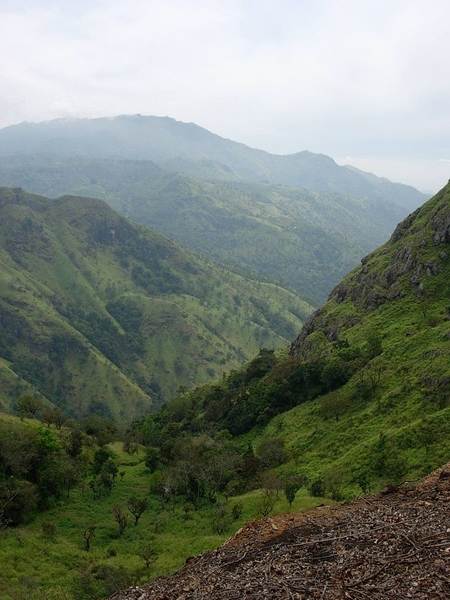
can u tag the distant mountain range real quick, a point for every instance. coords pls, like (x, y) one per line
(193, 150)
(99, 315)
(300, 219)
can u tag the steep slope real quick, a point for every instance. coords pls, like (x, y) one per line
(399, 289)
(362, 402)
(383, 340)
(389, 546)
(100, 315)
(193, 150)
(306, 240)
(364, 397)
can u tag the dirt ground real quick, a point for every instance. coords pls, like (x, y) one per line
(394, 545)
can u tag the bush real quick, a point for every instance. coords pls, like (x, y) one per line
(317, 488)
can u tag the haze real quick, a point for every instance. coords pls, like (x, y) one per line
(364, 82)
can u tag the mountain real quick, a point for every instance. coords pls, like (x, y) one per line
(361, 403)
(100, 315)
(306, 240)
(188, 148)
(363, 398)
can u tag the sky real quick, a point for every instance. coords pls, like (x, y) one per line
(363, 81)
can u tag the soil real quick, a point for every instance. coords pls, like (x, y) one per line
(394, 545)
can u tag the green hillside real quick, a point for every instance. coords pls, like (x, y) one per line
(101, 316)
(363, 398)
(359, 401)
(306, 240)
(68, 513)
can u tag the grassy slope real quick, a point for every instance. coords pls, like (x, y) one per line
(307, 240)
(66, 260)
(411, 402)
(387, 325)
(409, 406)
(35, 567)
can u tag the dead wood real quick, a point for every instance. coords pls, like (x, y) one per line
(395, 545)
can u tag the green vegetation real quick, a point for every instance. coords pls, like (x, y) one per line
(97, 316)
(307, 240)
(82, 520)
(362, 399)
(188, 148)
(301, 220)
(101, 316)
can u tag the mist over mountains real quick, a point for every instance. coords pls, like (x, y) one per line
(191, 149)
(300, 219)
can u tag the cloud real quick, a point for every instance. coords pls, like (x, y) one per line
(342, 77)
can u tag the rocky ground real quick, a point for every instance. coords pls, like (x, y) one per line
(395, 545)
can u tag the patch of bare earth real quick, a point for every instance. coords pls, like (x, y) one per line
(395, 545)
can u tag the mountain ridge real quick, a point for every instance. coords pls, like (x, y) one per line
(163, 140)
(85, 290)
(306, 240)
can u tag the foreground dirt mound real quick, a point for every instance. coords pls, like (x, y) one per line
(395, 545)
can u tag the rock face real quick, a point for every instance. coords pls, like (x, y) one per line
(405, 266)
(395, 545)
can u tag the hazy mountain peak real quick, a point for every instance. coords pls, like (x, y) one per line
(181, 146)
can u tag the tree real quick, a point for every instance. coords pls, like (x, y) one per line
(334, 374)
(28, 406)
(75, 443)
(362, 478)
(220, 518)
(149, 556)
(370, 377)
(137, 506)
(88, 534)
(121, 517)
(152, 458)
(53, 416)
(111, 468)
(17, 499)
(317, 488)
(334, 483)
(265, 504)
(374, 345)
(374, 372)
(290, 490)
(271, 452)
(100, 458)
(292, 485)
(58, 418)
(271, 483)
(334, 404)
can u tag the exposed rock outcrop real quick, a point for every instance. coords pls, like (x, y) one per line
(404, 265)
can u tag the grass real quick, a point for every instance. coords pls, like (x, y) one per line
(34, 564)
(192, 318)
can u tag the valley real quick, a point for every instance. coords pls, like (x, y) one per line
(158, 397)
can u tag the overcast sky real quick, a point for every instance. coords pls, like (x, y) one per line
(364, 81)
